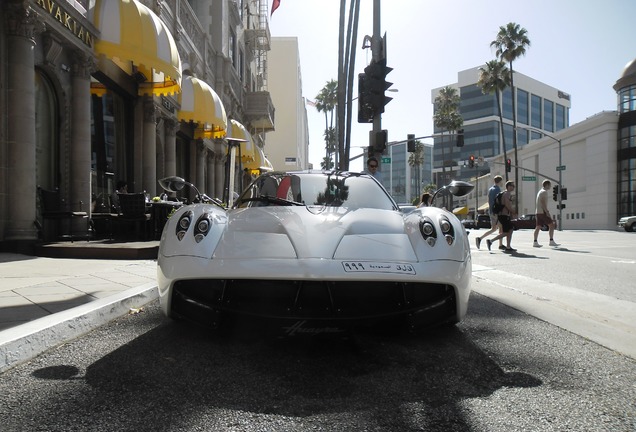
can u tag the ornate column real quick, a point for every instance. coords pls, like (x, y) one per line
(149, 151)
(210, 178)
(219, 173)
(170, 150)
(22, 27)
(202, 152)
(80, 148)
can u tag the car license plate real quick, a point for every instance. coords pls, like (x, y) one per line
(377, 267)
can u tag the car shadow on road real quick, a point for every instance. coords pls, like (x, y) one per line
(394, 382)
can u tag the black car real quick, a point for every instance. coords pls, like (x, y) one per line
(527, 222)
(483, 221)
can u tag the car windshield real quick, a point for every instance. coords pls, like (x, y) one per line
(316, 189)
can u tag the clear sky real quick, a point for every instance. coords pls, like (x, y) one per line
(578, 46)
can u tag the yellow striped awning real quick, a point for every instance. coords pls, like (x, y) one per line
(135, 38)
(248, 148)
(460, 210)
(260, 162)
(483, 207)
(200, 104)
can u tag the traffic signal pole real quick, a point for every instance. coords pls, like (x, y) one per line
(376, 55)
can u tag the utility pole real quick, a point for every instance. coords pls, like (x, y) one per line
(376, 56)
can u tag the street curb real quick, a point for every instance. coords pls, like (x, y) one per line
(26, 341)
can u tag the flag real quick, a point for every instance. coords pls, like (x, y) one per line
(275, 5)
(310, 103)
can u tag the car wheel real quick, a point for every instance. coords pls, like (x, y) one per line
(629, 228)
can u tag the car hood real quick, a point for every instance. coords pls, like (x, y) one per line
(315, 232)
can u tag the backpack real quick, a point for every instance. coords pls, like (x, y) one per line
(498, 206)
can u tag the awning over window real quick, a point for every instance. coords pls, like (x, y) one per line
(460, 210)
(248, 148)
(200, 104)
(134, 38)
(483, 207)
(260, 162)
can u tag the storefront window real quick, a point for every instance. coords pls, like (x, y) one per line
(47, 133)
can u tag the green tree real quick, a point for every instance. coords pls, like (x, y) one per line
(510, 44)
(326, 101)
(447, 118)
(495, 78)
(416, 159)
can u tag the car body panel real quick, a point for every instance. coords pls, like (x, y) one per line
(315, 248)
(628, 223)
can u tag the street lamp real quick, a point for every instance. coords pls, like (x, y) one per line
(559, 169)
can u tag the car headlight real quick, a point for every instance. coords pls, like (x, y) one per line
(447, 230)
(427, 229)
(183, 224)
(202, 227)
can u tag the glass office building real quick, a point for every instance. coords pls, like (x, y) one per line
(626, 89)
(539, 108)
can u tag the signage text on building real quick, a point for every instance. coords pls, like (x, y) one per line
(63, 17)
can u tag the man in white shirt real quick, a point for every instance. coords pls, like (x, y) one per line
(542, 215)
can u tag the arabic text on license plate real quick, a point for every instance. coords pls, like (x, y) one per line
(377, 267)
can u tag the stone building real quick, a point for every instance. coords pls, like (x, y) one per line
(97, 91)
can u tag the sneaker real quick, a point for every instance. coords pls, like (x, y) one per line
(509, 249)
(502, 247)
(477, 242)
(536, 244)
(553, 243)
(489, 243)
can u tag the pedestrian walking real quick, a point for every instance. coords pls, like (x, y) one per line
(505, 218)
(494, 219)
(542, 215)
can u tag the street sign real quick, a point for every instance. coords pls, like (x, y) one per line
(529, 178)
(386, 160)
(561, 168)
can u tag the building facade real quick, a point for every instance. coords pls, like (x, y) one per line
(403, 177)
(540, 108)
(93, 92)
(288, 145)
(626, 89)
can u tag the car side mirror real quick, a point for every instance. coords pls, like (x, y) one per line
(172, 184)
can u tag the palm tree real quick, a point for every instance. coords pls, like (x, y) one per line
(511, 43)
(416, 159)
(495, 78)
(447, 117)
(326, 101)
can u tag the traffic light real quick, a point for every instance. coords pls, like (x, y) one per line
(375, 85)
(555, 192)
(564, 194)
(508, 165)
(471, 161)
(381, 138)
(460, 138)
(410, 142)
(365, 113)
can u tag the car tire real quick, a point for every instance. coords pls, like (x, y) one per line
(629, 228)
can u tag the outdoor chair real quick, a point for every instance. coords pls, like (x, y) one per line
(133, 213)
(58, 217)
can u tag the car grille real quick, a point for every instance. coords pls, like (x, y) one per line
(200, 299)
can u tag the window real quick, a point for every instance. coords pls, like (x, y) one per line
(561, 117)
(535, 112)
(522, 107)
(627, 99)
(548, 115)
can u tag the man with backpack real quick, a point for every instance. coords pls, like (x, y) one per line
(505, 218)
(494, 222)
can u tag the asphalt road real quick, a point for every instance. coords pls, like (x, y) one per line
(500, 370)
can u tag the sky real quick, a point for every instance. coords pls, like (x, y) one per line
(580, 47)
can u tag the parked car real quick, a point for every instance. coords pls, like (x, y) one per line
(406, 208)
(314, 252)
(483, 221)
(469, 223)
(528, 221)
(628, 223)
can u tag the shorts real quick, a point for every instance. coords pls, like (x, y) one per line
(494, 220)
(506, 223)
(543, 219)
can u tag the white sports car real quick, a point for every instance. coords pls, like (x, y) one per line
(315, 252)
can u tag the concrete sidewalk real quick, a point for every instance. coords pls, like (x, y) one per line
(48, 301)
